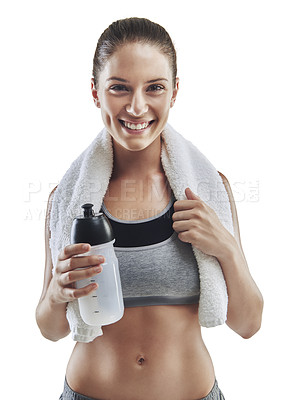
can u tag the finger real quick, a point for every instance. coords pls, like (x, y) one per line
(180, 226)
(79, 262)
(185, 237)
(72, 250)
(185, 204)
(182, 215)
(190, 194)
(78, 275)
(72, 294)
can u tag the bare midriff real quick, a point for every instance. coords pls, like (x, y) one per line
(153, 352)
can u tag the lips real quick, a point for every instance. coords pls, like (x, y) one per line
(135, 126)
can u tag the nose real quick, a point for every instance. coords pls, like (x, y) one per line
(138, 105)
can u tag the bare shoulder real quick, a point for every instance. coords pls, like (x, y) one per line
(233, 209)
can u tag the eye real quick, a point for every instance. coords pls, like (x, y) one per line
(155, 88)
(118, 88)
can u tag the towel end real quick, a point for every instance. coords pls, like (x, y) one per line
(211, 323)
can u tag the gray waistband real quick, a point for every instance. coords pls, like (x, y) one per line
(215, 393)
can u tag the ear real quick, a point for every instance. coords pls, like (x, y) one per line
(175, 91)
(94, 93)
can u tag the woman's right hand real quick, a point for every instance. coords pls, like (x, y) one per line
(62, 287)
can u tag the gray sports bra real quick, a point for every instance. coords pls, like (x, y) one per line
(156, 267)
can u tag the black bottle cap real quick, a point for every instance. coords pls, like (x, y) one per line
(93, 228)
(88, 211)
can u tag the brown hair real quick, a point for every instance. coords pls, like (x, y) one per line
(131, 30)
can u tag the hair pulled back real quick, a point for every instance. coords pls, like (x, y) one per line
(132, 30)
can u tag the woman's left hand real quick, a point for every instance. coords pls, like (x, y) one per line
(198, 224)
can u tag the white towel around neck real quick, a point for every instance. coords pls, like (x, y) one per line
(86, 181)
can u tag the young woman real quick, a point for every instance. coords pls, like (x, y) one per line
(156, 350)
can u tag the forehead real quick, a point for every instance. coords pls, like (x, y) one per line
(137, 61)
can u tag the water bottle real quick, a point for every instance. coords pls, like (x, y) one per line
(105, 305)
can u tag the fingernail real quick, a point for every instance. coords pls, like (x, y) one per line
(85, 246)
(100, 258)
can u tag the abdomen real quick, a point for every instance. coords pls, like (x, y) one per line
(153, 352)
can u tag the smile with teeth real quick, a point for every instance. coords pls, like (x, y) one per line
(130, 125)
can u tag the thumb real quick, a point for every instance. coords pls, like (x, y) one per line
(190, 195)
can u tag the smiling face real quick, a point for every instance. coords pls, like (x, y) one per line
(135, 93)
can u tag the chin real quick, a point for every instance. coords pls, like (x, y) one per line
(135, 146)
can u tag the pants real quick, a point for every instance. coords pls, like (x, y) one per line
(69, 394)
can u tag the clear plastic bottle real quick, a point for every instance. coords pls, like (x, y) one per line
(105, 305)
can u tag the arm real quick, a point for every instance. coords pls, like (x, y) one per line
(50, 317)
(197, 223)
(59, 288)
(245, 304)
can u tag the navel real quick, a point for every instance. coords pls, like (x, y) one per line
(140, 359)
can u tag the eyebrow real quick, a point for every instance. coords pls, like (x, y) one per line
(115, 78)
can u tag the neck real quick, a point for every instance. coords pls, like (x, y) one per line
(137, 164)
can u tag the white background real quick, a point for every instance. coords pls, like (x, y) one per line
(229, 105)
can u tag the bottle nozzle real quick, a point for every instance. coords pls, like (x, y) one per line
(88, 211)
